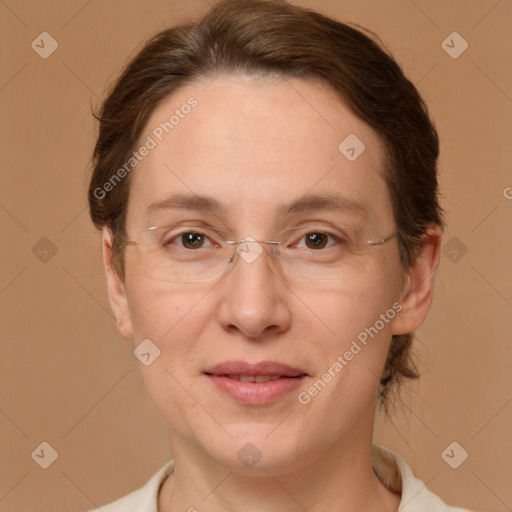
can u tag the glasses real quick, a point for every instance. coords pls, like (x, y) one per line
(191, 254)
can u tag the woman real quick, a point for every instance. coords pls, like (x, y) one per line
(265, 180)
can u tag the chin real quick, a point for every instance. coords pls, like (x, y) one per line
(259, 449)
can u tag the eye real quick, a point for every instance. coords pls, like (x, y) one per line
(319, 240)
(188, 240)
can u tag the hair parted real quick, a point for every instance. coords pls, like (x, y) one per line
(266, 39)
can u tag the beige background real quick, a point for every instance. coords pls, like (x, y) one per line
(69, 379)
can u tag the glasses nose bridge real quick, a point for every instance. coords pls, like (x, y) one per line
(252, 249)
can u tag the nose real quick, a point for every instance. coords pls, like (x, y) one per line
(255, 300)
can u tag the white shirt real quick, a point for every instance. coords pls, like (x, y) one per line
(388, 465)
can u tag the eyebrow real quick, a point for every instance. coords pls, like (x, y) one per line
(333, 202)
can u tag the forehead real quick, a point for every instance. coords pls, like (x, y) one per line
(255, 146)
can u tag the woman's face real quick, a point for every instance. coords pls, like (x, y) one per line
(256, 148)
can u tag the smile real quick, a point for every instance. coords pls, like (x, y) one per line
(255, 384)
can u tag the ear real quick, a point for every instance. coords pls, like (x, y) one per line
(418, 289)
(116, 288)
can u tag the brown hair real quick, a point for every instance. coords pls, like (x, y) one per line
(269, 38)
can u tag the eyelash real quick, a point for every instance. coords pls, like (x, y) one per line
(178, 236)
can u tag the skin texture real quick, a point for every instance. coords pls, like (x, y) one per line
(253, 145)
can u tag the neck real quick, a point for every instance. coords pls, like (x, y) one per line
(341, 479)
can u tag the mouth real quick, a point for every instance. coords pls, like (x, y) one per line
(261, 369)
(255, 378)
(255, 384)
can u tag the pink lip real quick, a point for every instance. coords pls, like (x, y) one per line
(255, 393)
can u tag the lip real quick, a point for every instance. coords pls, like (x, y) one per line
(255, 393)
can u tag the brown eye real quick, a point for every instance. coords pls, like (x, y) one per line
(192, 240)
(316, 240)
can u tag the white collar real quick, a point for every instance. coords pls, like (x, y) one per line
(390, 467)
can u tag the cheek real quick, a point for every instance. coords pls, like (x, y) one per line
(355, 319)
(344, 310)
(171, 316)
(350, 363)
(361, 334)
(155, 306)
(173, 319)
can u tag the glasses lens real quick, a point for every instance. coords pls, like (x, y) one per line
(182, 255)
(189, 254)
(325, 256)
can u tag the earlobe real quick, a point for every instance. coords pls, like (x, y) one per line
(418, 289)
(116, 288)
